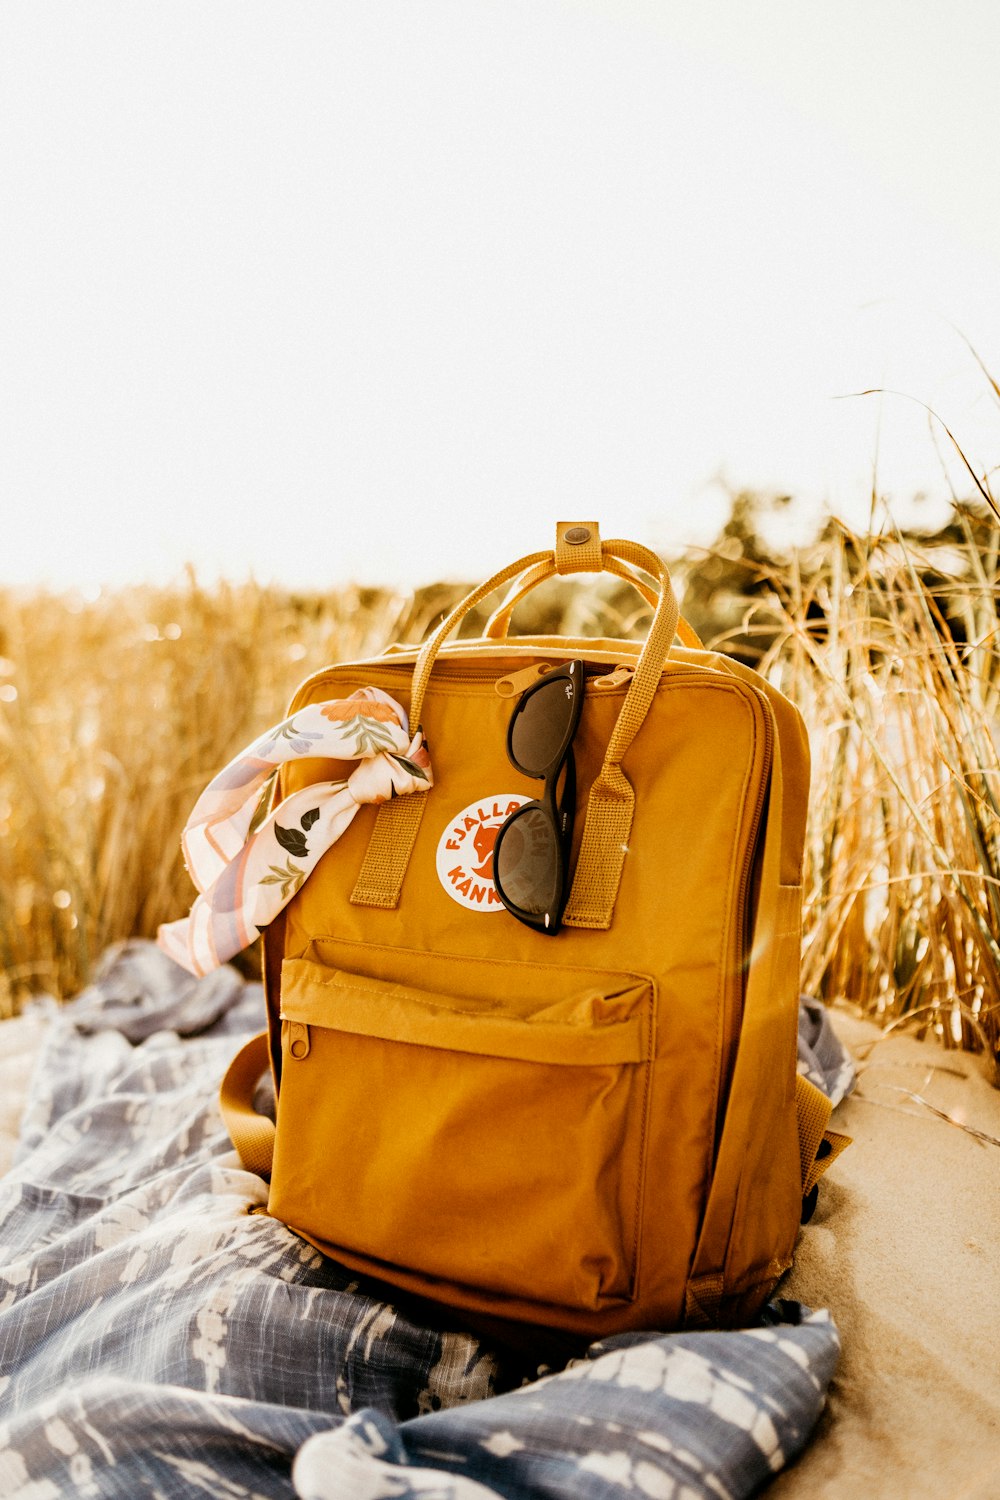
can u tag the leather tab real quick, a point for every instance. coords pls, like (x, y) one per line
(578, 547)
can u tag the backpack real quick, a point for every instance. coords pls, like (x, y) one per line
(589, 1131)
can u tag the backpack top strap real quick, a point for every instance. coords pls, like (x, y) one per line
(611, 802)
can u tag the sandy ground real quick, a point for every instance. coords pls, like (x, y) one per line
(904, 1250)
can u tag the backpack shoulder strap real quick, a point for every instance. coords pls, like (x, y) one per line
(818, 1146)
(774, 1118)
(252, 1134)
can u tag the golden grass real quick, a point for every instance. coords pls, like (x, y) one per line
(891, 653)
(113, 715)
(115, 712)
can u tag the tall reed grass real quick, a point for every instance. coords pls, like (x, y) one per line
(115, 711)
(890, 650)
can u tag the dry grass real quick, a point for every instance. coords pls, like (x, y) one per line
(113, 715)
(892, 654)
(115, 712)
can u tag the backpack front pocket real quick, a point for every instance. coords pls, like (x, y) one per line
(450, 1138)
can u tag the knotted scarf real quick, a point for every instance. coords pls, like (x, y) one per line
(245, 879)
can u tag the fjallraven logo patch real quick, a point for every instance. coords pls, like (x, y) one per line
(465, 851)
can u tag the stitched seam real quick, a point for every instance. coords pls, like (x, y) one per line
(651, 1029)
(686, 677)
(465, 959)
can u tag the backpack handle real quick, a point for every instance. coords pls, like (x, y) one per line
(498, 624)
(611, 803)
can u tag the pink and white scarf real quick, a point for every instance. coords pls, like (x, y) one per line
(245, 879)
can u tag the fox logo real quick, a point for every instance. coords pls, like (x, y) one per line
(465, 851)
(483, 840)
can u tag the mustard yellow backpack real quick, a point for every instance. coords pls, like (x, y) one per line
(588, 1129)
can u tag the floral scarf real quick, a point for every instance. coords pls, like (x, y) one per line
(245, 879)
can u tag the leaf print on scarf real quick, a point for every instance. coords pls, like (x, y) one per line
(368, 734)
(410, 767)
(291, 840)
(299, 739)
(289, 879)
(308, 819)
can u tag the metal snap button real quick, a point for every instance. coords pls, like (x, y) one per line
(577, 535)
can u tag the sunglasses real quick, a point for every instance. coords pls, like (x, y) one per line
(531, 852)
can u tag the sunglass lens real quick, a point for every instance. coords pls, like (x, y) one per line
(527, 862)
(539, 728)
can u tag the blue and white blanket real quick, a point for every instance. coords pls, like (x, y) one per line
(158, 1338)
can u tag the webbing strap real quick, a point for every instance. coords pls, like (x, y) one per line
(611, 803)
(599, 867)
(498, 624)
(380, 878)
(251, 1133)
(702, 1299)
(387, 857)
(429, 650)
(836, 1143)
(703, 1294)
(813, 1110)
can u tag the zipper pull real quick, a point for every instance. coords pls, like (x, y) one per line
(518, 682)
(613, 679)
(298, 1040)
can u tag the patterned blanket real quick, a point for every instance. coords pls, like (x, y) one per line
(158, 1338)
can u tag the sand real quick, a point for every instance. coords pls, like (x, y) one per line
(904, 1250)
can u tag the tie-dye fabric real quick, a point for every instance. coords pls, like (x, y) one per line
(245, 879)
(161, 1337)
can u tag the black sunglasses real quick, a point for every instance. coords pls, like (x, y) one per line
(531, 852)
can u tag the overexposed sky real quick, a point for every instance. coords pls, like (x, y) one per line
(379, 290)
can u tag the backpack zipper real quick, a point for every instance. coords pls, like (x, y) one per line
(734, 1018)
(614, 679)
(516, 683)
(750, 856)
(298, 1039)
(510, 685)
(595, 676)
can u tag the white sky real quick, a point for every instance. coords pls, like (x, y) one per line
(380, 290)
